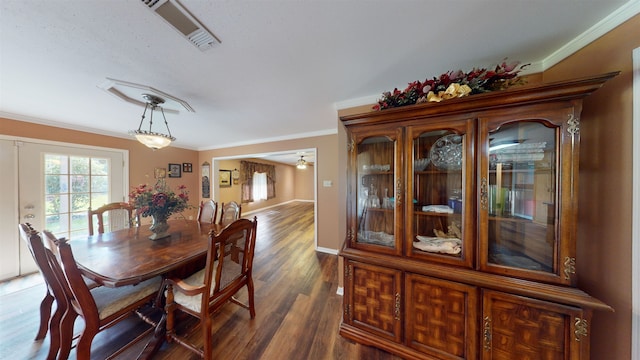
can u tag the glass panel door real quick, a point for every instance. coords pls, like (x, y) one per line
(522, 203)
(437, 192)
(440, 181)
(375, 188)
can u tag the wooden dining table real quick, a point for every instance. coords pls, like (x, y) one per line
(128, 256)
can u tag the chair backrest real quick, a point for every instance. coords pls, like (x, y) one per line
(230, 212)
(119, 215)
(43, 256)
(208, 212)
(64, 266)
(229, 261)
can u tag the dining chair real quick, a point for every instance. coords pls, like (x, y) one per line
(26, 234)
(99, 308)
(204, 292)
(114, 216)
(230, 212)
(207, 212)
(55, 292)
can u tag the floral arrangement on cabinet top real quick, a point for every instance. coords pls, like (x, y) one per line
(454, 84)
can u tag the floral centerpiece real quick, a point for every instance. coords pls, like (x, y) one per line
(159, 202)
(454, 84)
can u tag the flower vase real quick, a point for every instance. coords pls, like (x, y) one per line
(159, 227)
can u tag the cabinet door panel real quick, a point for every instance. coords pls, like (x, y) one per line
(527, 187)
(376, 216)
(517, 327)
(374, 302)
(440, 317)
(440, 219)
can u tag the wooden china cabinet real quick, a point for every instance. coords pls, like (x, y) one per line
(461, 227)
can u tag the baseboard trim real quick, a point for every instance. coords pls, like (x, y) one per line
(327, 250)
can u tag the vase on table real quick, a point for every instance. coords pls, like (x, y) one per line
(159, 226)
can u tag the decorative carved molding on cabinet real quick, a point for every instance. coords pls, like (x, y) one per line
(461, 227)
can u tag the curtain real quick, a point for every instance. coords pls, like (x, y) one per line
(247, 169)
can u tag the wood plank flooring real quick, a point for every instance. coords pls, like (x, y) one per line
(297, 309)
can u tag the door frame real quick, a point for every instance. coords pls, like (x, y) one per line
(635, 219)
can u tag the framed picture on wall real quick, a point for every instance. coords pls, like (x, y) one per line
(187, 167)
(175, 170)
(225, 178)
(206, 185)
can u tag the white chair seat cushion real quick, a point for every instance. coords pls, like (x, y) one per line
(192, 302)
(111, 300)
(231, 271)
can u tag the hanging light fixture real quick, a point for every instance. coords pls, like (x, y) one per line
(150, 138)
(301, 164)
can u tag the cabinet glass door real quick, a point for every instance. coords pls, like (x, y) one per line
(375, 190)
(520, 197)
(441, 167)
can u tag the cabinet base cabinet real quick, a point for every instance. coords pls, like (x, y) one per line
(448, 320)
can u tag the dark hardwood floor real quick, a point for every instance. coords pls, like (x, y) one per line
(297, 309)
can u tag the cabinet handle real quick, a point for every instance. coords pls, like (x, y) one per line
(487, 333)
(484, 196)
(398, 192)
(574, 125)
(581, 328)
(569, 267)
(573, 129)
(397, 309)
(351, 145)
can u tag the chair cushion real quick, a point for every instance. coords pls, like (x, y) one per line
(192, 302)
(230, 272)
(111, 300)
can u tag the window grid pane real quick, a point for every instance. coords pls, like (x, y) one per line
(72, 185)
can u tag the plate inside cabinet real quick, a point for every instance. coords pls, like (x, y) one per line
(446, 152)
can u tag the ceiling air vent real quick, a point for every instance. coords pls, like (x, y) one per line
(186, 24)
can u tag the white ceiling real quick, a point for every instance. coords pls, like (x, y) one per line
(282, 68)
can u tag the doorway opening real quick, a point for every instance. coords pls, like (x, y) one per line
(287, 157)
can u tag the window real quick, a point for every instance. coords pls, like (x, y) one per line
(259, 186)
(72, 185)
(255, 190)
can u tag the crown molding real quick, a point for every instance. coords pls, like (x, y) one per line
(75, 127)
(273, 139)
